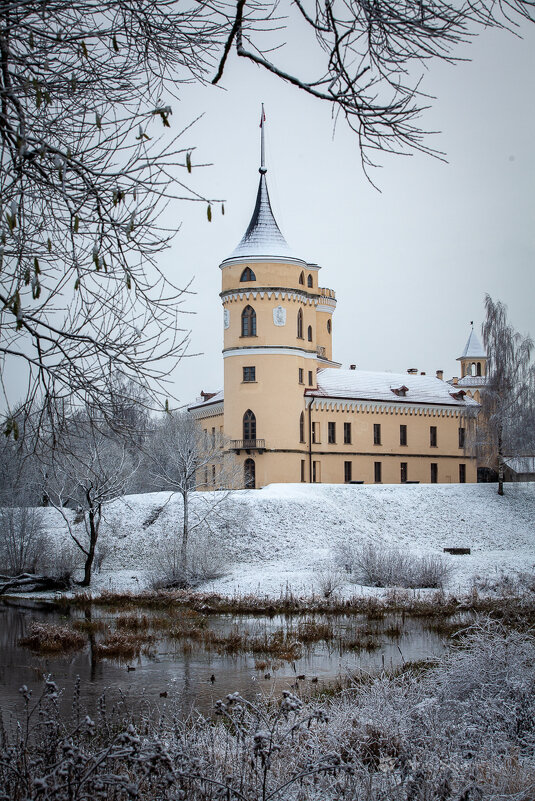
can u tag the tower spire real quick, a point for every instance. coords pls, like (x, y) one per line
(262, 169)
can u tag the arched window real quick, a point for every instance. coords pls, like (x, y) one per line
(249, 477)
(473, 368)
(302, 278)
(300, 324)
(478, 370)
(248, 322)
(249, 426)
(309, 333)
(309, 281)
(329, 326)
(248, 275)
(302, 427)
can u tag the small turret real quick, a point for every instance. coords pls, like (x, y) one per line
(473, 358)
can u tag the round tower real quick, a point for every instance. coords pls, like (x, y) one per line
(275, 337)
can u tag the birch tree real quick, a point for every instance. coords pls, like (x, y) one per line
(506, 425)
(195, 464)
(87, 472)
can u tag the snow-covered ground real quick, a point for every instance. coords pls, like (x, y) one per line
(277, 538)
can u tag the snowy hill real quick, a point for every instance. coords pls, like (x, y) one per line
(281, 534)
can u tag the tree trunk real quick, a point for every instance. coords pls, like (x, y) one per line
(500, 466)
(94, 523)
(184, 547)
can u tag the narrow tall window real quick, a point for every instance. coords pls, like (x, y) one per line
(301, 375)
(347, 471)
(316, 475)
(331, 432)
(302, 469)
(213, 475)
(434, 472)
(403, 471)
(302, 427)
(302, 278)
(300, 324)
(249, 374)
(377, 472)
(347, 433)
(247, 275)
(403, 435)
(248, 322)
(377, 433)
(461, 437)
(316, 433)
(433, 436)
(462, 474)
(309, 281)
(478, 369)
(310, 382)
(309, 333)
(249, 426)
(329, 326)
(249, 474)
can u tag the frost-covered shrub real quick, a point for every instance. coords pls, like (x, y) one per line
(328, 578)
(464, 729)
(206, 560)
(377, 566)
(22, 541)
(506, 584)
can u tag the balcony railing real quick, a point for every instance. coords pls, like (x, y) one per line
(247, 445)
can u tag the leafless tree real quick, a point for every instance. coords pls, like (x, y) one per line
(368, 56)
(85, 174)
(187, 460)
(506, 424)
(86, 472)
(86, 93)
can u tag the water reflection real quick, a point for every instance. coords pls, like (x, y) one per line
(191, 675)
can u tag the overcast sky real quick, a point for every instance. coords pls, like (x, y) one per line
(410, 264)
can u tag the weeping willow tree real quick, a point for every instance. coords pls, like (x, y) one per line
(506, 424)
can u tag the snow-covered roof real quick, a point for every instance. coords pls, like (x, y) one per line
(263, 236)
(473, 348)
(365, 385)
(472, 381)
(216, 397)
(521, 464)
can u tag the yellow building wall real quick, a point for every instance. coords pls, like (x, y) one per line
(269, 274)
(418, 454)
(276, 398)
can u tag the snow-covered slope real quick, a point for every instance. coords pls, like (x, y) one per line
(281, 534)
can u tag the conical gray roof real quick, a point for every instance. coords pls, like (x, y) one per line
(473, 348)
(263, 236)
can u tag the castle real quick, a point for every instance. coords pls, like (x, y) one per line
(291, 413)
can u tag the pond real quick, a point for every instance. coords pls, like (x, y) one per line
(191, 659)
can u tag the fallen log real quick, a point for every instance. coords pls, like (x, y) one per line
(29, 582)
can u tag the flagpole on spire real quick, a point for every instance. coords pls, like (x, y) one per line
(262, 169)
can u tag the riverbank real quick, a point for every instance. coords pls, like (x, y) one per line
(282, 538)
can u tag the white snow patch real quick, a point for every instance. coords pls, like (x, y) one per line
(276, 537)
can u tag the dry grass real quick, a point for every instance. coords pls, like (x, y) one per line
(124, 645)
(52, 639)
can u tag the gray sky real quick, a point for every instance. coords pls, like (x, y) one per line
(410, 264)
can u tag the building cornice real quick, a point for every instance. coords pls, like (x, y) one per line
(282, 350)
(269, 291)
(267, 260)
(371, 406)
(206, 410)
